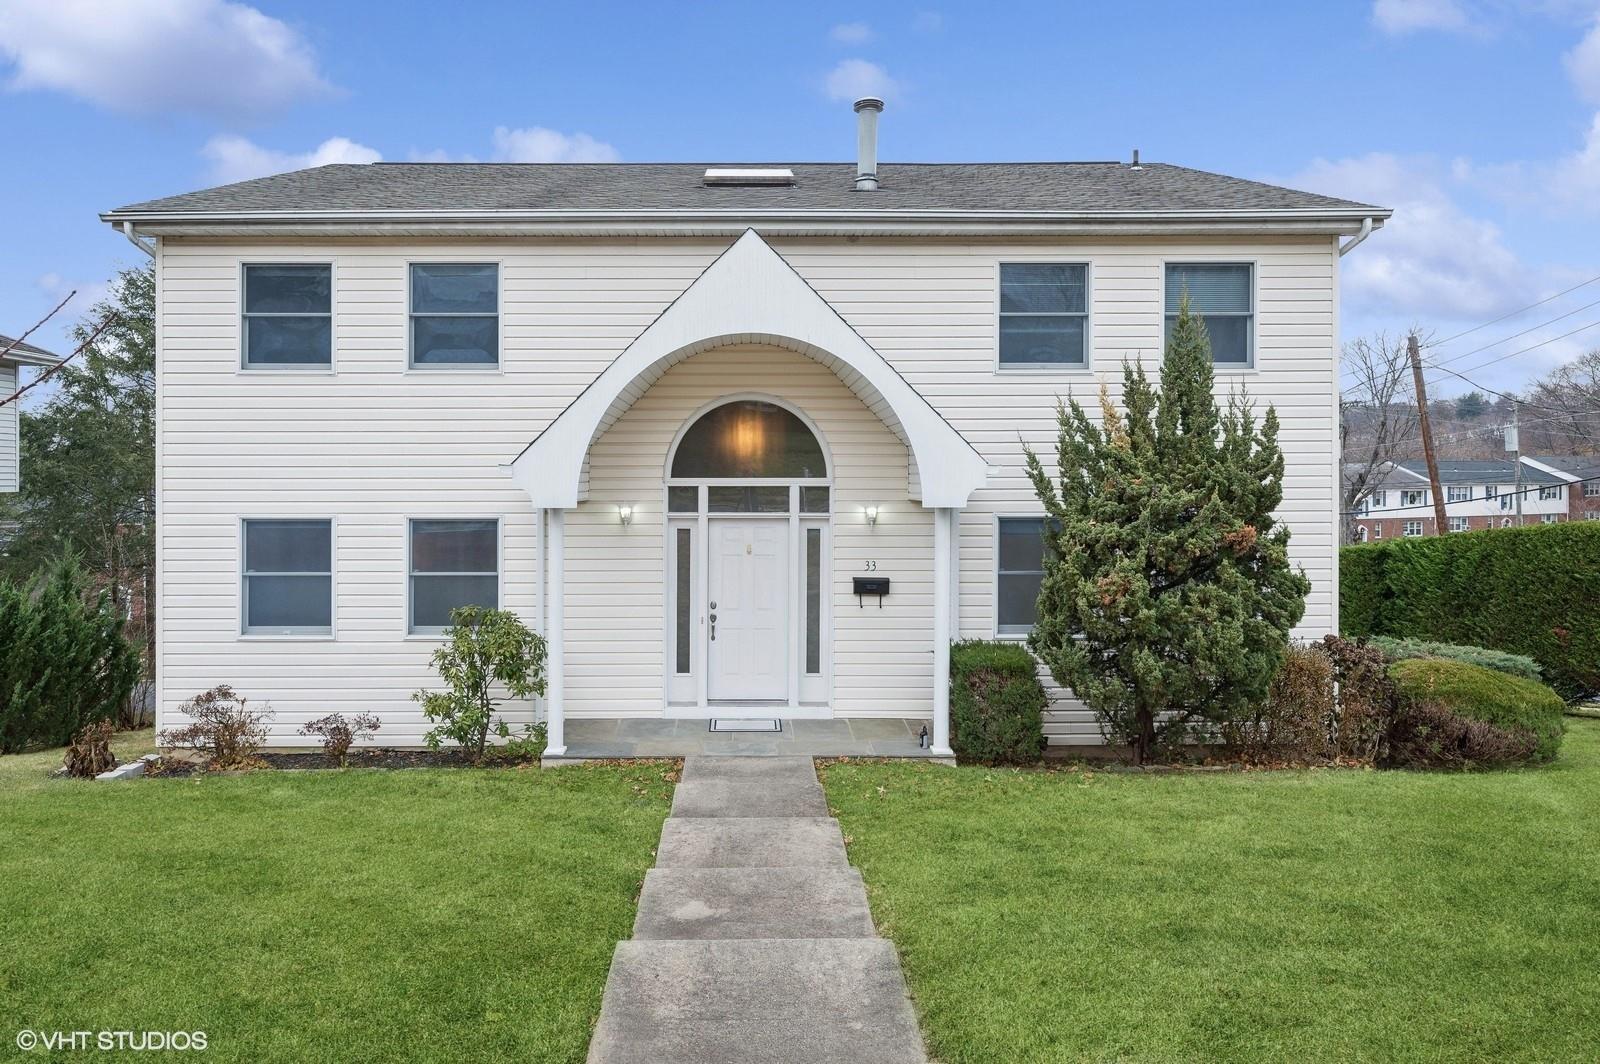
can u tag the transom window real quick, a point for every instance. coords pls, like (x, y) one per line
(454, 563)
(1019, 557)
(288, 577)
(288, 315)
(455, 314)
(1223, 295)
(749, 440)
(1044, 313)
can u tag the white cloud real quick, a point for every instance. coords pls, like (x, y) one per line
(855, 78)
(1409, 16)
(539, 145)
(928, 22)
(1583, 65)
(851, 33)
(209, 57)
(1432, 260)
(235, 158)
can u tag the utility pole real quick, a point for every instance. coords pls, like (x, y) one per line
(1514, 444)
(1441, 525)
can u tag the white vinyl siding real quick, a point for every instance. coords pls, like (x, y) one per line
(9, 442)
(376, 445)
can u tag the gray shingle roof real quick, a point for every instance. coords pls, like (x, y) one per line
(24, 351)
(1579, 465)
(1089, 187)
(1480, 471)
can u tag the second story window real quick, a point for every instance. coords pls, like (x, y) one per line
(1550, 492)
(1491, 490)
(1413, 498)
(288, 315)
(1591, 489)
(1455, 494)
(1044, 314)
(455, 314)
(1222, 293)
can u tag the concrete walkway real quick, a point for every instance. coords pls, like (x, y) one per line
(753, 943)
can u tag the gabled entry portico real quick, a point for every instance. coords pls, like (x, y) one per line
(751, 296)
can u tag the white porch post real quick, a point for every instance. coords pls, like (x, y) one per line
(943, 522)
(554, 600)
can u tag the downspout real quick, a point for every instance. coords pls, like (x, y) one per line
(1350, 245)
(150, 249)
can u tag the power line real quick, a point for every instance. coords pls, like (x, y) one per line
(1513, 314)
(1513, 336)
(1491, 430)
(1530, 347)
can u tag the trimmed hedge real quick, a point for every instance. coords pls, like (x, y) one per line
(1498, 660)
(996, 702)
(1529, 591)
(1506, 702)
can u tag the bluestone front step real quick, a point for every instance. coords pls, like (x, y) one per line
(708, 903)
(769, 798)
(751, 842)
(714, 768)
(752, 1001)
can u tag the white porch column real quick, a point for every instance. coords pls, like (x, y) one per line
(943, 526)
(554, 634)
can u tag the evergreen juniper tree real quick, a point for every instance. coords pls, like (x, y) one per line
(1168, 595)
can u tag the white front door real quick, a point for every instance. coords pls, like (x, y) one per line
(747, 602)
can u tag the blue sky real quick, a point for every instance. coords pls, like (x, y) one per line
(1478, 120)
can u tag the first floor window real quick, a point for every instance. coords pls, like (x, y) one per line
(813, 601)
(1412, 528)
(1020, 553)
(1458, 524)
(1377, 530)
(1549, 519)
(1592, 515)
(288, 315)
(454, 563)
(1222, 294)
(288, 577)
(682, 599)
(1044, 313)
(1455, 494)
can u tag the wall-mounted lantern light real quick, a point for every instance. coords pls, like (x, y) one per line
(626, 514)
(872, 516)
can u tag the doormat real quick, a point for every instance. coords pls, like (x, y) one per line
(724, 724)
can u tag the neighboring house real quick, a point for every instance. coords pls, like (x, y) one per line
(1582, 476)
(1478, 494)
(11, 363)
(673, 413)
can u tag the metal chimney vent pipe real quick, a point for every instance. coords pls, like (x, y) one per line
(867, 110)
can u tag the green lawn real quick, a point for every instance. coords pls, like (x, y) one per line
(1283, 916)
(323, 916)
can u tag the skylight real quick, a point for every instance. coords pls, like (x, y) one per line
(730, 175)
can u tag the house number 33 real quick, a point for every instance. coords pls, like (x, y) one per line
(871, 566)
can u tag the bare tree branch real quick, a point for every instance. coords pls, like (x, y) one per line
(1377, 417)
(105, 324)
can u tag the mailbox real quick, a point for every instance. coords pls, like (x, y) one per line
(871, 585)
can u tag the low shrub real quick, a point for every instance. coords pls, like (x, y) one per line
(1367, 702)
(1509, 703)
(338, 733)
(64, 661)
(1498, 660)
(1430, 735)
(1297, 721)
(486, 652)
(90, 753)
(223, 728)
(996, 703)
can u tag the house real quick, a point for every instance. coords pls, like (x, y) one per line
(16, 355)
(1478, 494)
(1582, 476)
(742, 440)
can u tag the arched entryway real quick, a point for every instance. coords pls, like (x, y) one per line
(748, 498)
